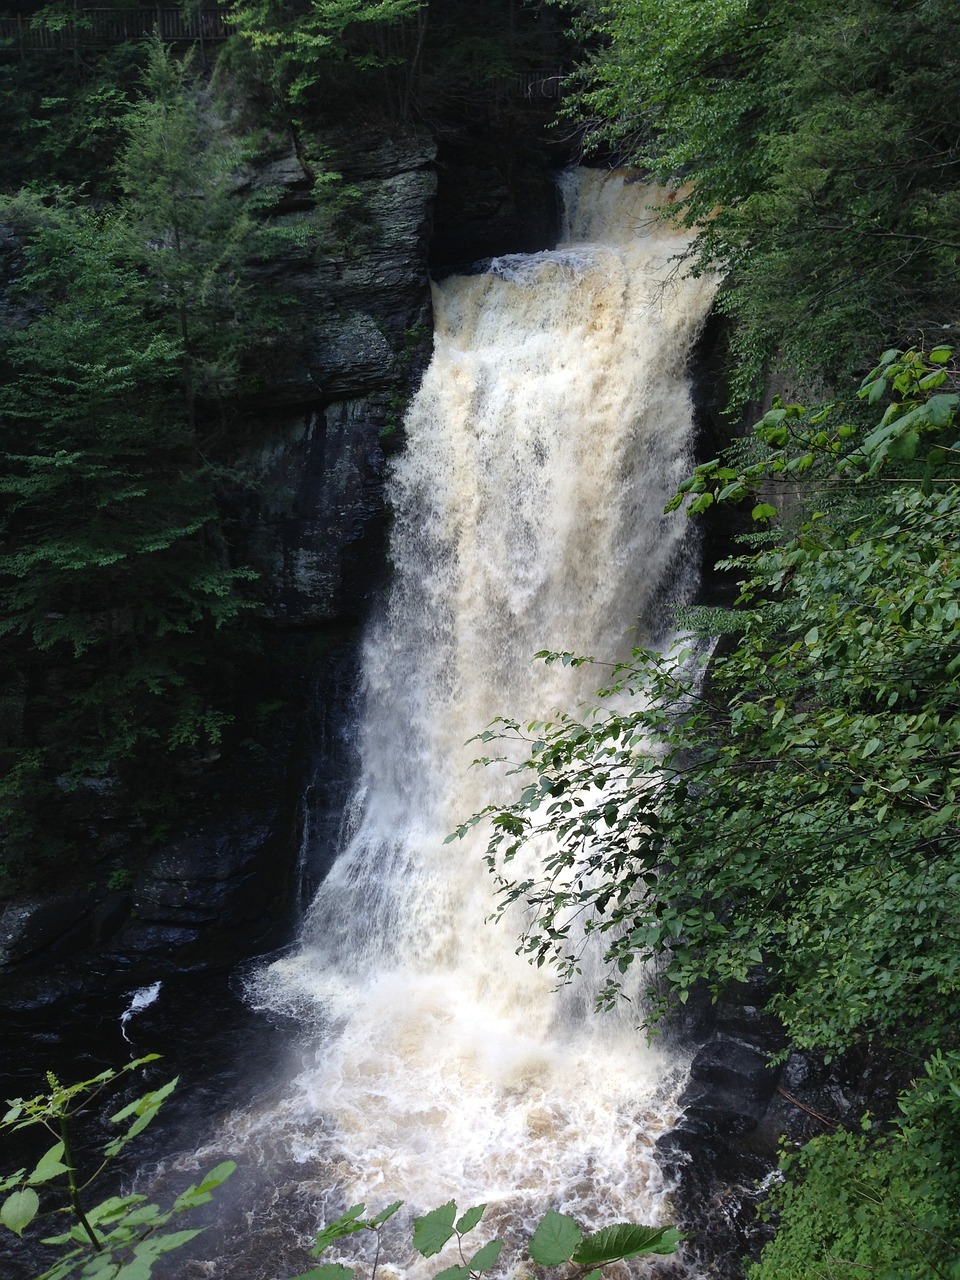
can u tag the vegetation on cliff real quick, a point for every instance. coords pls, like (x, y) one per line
(120, 367)
(819, 142)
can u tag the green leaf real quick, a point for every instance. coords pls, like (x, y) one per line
(347, 1224)
(49, 1165)
(145, 1110)
(700, 504)
(486, 1256)
(470, 1219)
(202, 1193)
(433, 1230)
(904, 448)
(386, 1213)
(555, 1239)
(169, 1241)
(625, 1240)
(763, 511)
(19, 1210)
(453, 1273)
(939, 410)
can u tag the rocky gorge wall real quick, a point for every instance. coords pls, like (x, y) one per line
(312, 521)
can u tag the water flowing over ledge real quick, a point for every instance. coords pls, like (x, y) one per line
(552, 425)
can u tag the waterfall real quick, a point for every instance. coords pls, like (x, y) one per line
(552, 424)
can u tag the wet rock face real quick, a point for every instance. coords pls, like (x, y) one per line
(213, 896)
(217, 890)
(358, 313)
(723, 1147)
(318, 531)
(356, 279)
(46, 926)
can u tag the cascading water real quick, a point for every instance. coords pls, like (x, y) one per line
(551, 426)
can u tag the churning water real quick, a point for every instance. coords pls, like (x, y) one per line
(553, 423)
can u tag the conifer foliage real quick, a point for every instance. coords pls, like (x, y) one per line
(115, 579)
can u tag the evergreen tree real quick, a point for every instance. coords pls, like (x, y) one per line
(190, 232)
(114, 576)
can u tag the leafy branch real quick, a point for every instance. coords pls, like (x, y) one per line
(118, 1238)
(556, 1241)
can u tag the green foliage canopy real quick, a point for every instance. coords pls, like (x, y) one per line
(818, 142)
(115, 579)
(887, 1206)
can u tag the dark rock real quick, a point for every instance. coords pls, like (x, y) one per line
(163, 939)
(724, 1145)
(352, 302)
(316, 536)
(313, 520)
(718, 1113)
(748, 1022)
(221, 877)
(54, 926)
(735, 1066)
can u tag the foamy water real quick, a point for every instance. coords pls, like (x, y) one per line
(551, 427)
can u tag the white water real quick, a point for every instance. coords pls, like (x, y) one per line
(552, 424)
(140, 999)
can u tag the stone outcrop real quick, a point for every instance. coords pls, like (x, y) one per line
(359, 321)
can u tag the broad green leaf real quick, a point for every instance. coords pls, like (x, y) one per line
(763, 511)
(433, 1230)
(347, 1224)
(169, 1241)
(470, 1218)
(555, 1239)
(114, 1207)
(202, 1193)
(700, 504)
(904, 448)
(49, 1165)
(144, 1109)
(486, 1256)
(13, 1180)
(625, 1240)
(19, 1210)
(386, 1213)
(939, 410)
(453, 1273)
(137, 1269)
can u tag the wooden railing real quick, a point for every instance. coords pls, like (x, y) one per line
(94, 28)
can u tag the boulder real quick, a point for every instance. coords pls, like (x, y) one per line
(52, 926)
